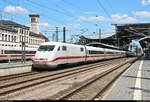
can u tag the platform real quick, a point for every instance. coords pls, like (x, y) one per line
(14, 68)
(134, 84)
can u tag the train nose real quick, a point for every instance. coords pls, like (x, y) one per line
(40, 60)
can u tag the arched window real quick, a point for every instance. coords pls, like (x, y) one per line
(5, 37)
(12, 39)
(2, 37)
(8, 37)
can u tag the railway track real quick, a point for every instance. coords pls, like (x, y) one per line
(12, 86)
(16, 76)
(9, 77)
(96, 85)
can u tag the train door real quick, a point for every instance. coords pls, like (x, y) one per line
(85, 51)
(104, 53)
(64, 54)
(148, 49)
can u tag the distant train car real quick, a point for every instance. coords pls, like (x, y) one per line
(52, 54)
(15, 53)
(147, 51)
(130, 54)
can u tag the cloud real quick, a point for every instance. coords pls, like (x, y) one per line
(145, 2)
(75, 26)
(122, 18)
(16, 10)
(144, 14)
(114, 18)
(90, 13)
(45, 25)
(92, 18)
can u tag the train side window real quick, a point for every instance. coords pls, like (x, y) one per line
(64, 48)
(58, 49)
(109, 52)
(96, 52)
(81, 49)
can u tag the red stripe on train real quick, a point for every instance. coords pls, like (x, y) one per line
(14, 55)
(71, 57)
(20, 55)
(3, 55)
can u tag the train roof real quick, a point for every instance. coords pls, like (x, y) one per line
(96, 45)
(59, 43)
(101, 45)
(51, 43)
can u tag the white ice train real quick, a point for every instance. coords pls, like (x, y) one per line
(15, 53)
(52, 54)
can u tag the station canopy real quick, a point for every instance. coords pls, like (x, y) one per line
(125, 33)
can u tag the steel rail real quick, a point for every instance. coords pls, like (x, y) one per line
(46, 80)
(73, 92)
(111, 82)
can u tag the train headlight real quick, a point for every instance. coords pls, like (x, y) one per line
(46, 58)
(33, 58)
(41, 59)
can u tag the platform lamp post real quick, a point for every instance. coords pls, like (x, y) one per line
(100, 34)
(23, 48)
(64, 34)
(137, 50)
(56, 34)
(117, 38)
(119, 42)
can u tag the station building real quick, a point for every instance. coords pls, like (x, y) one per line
(13, 34)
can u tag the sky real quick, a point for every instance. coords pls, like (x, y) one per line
(78, 16)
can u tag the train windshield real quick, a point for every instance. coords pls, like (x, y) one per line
(46, 48)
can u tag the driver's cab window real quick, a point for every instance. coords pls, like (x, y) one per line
(58, 48)
(64, 48)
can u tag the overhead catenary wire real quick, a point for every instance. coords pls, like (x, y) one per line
(100, 4)
(60, 12)
(113, 10)
(12, 3)
(44, 14)
(57, 11)
(62, 8)
(22, 17)
(31, 5)
(52, 9)
(75, 6)
(106, 12)
(42, 6)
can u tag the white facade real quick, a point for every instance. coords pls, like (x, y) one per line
(15, 37)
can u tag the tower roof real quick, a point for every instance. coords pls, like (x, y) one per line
(34, 15)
